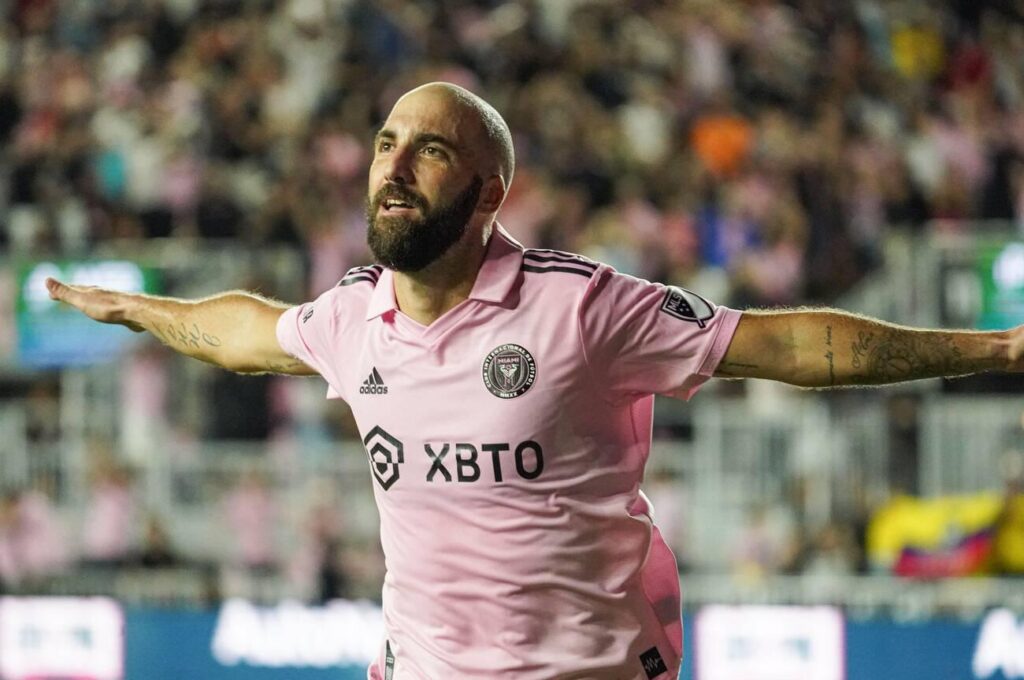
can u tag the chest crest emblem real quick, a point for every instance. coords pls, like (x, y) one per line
(509, 371)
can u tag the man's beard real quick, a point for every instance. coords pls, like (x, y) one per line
(408, 244)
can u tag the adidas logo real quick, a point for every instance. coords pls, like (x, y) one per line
(374, 384)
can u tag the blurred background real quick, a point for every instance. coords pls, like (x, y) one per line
(163, 519)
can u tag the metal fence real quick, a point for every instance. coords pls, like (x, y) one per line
(738, 458)
(821, 455)
(971, 443)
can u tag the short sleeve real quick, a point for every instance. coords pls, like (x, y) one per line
(645, 338)
(309, 332)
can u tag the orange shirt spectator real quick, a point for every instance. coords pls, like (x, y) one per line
(722, 141)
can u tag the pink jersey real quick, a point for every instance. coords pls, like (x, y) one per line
(507, 442)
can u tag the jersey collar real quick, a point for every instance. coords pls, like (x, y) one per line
(498, 274)
(500, 268)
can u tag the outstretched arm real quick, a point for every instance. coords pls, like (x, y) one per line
(234, 330)
(829, 348)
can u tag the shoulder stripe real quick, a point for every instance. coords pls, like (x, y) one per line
(552, 251)
(349, 280)
(565, 270)
(369, 273)
(372, 270)
(558, 256)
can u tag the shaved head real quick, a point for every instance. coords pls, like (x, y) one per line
(495, 136)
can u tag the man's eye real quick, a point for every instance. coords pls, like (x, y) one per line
(384, 146)
(432, 151)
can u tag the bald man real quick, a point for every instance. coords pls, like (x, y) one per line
(504, 399)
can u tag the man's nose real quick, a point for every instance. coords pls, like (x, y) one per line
(399, 168)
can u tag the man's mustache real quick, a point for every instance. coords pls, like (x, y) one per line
(396, 192)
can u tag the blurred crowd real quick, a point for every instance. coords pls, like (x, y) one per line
(756, 149)
(255, 539)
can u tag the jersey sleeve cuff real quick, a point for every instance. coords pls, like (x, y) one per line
(725, 327)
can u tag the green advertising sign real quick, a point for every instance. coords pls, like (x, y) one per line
(51, 334)
(1000, 270)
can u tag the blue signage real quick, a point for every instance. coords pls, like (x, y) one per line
(98, 639)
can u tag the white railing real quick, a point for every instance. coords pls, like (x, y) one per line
(970, 443)
(739, 457)
(816, 454)
(860, 596)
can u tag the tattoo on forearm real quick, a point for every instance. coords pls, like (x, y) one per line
(830, 356)
(181, 336)
(284, 366)
(211, 340)
(860, 347)
(897, 354)
(902, 356)
(737, 364)
(724, 369)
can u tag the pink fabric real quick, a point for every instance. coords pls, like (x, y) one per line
(250, 512)
(500, 565)
(110, 518)
(32, 542)
(42, 544)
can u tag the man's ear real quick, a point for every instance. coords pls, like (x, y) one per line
(492, 194)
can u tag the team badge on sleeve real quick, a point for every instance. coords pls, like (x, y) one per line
(509, 370)
(687, 305)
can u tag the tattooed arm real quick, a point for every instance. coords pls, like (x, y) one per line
(828, 348)
(235, 330)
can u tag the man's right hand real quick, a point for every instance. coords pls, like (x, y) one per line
(107, 306)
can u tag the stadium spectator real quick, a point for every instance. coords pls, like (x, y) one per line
(832, 553)
(157, 549)
(33, 544)
(43, 540)
(251, 515)
(317, 567)
(1008, 544)
(768, 545)
(109, 527)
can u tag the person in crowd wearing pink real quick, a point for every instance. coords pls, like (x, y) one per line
(109, 529)
(504, 396)
(43, 540)
(32, 542)
(251, 516)
(316, 568)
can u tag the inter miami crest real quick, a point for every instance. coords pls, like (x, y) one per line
(386, 453)
(509, 370)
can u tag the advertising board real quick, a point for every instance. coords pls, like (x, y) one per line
(98, 639)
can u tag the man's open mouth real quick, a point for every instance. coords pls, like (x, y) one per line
(393, 204)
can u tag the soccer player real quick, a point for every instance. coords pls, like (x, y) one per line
(504, 397)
